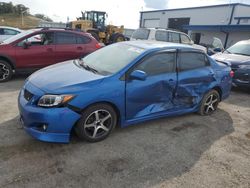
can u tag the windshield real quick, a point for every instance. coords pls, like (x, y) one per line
(111, 59)
(18, 36)
(241, 48)
(141, 34)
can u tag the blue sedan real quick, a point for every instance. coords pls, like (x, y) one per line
(120, 85)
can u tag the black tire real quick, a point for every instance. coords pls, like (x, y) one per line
(95, 35)
(209, 103)
(6, 71)
(93, 129)
(117, 37)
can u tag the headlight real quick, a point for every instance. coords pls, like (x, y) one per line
(54, 100)
(244, 66)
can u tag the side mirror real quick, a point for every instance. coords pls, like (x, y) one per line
(191, 42)
(26, 45)
(138, 75)
(217, 50)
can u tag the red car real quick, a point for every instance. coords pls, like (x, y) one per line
(37, 48)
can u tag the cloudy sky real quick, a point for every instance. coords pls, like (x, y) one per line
(119, 12)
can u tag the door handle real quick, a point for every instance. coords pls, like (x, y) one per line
(79, 48)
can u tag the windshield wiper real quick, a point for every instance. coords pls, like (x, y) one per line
(87, 67)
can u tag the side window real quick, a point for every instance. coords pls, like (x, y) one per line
(158, 64)
(65, 38)
(161, 36)
(1, 31)
(82, 39)
(192, 60)
(39, 39)
(185, 39)
(174, 37)
(10, 32)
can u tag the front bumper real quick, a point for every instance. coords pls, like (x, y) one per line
(58, 121)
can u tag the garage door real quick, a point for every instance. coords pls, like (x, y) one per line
(151, 23)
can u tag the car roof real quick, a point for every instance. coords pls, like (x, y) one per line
(163, 29)
(7, 27)
(147, 44)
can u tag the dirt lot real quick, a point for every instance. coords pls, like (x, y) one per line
(186, 151)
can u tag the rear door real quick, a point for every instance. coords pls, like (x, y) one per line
(195, 76)
(155, 94)
(67, 47)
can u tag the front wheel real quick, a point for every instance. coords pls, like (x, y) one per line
(209, 103)
(96, 123)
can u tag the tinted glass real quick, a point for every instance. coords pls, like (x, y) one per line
(191, 60)
(241, 48)
(112, 58)
(141, 34)
(65, 38)
(82, 40)
(185, 39)
(10, 32)
(161, 36)
(174, 37)
(1, 31)
(158, 64)
(46, 38)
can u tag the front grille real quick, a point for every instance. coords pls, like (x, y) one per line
(28, 95)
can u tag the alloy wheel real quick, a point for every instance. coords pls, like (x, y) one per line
(211, 104)
(98, 124)
(4, 71)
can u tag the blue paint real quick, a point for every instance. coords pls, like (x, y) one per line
(157, 96)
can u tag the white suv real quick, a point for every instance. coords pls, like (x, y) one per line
(165, 35)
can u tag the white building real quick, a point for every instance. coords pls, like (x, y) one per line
(228, 22)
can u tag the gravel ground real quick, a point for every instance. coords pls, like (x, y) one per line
(186, 151)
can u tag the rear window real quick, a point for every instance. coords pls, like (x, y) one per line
(192, 60)
(141, 34)
(65, 38)
(82, 39)
(174, 37)
(161, 36)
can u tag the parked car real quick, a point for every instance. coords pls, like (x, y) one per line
(142, 81)
(37, 48)
(238, 56)
(164, 35)
(7, 32)
(215, 46)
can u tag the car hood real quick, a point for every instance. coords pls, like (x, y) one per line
(64, 77)
(234, 59)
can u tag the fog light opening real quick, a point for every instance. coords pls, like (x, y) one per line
(44, 127)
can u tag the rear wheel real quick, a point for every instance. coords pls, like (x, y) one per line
(6, 71)
(117, 37)
(96, 123)
(209, 103)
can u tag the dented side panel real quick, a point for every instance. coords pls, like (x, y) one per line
(191, 89)
(153, 95)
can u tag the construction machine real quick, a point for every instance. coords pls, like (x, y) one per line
(93, 22)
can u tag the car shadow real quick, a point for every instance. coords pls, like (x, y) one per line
(14, 84)
(240, 97)
(137, 156)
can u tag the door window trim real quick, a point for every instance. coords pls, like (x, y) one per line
(208, 63)
(125, 77)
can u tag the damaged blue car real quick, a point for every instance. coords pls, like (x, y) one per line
(120, 85)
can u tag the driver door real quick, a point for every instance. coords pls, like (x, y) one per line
(39, 53)
(155, 93)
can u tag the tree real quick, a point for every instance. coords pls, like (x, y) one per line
(43, 17)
